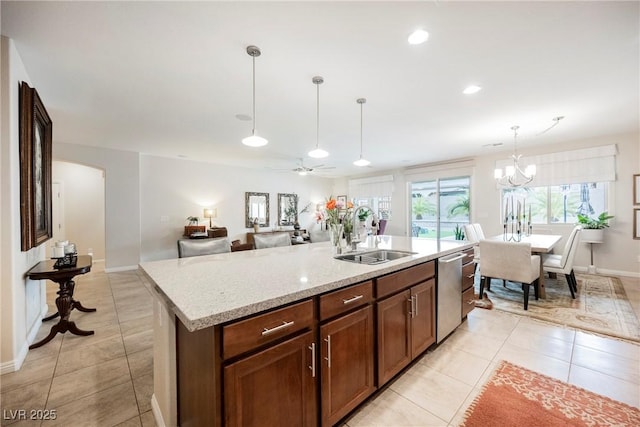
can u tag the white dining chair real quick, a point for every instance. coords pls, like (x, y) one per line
(479, 232)
(510, 261)
(471, 234)
(563, 264)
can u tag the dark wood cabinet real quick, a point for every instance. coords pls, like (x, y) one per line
(275, 387)
(406, 328)
(308, 363)
(347, 359)
(468, 276)
(423, 317)
(394, 330)
(406, 324)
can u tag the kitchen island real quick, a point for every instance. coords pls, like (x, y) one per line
(300, 299)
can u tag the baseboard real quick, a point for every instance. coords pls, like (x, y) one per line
(608, 272)
(15, 364)
(157, 414)
(118, 269)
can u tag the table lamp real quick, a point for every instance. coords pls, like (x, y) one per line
(211, 213)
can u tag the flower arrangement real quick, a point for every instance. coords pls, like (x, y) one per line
(339, 213)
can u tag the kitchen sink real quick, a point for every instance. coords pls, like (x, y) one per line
(374, 257)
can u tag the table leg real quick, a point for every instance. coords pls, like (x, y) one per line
(64, 303)
(53, 316)
(74, 303)
(77, 304)
(542, 290)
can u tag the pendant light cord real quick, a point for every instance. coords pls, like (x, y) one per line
(317, 116)
(361, 130)
(253, 131)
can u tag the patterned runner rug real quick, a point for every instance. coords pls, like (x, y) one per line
(515, 396)
(601, 305)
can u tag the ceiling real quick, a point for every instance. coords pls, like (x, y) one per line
(170, 78)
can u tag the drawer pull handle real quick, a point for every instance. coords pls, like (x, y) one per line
(313, 359)
(350, 300)
(328, 358)
(267, 331)
(416, 304)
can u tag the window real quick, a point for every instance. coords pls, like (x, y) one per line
(380, 205)
(438, 206)
(560, 204)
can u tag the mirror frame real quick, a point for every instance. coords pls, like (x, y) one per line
(247, 215)
(283, 202)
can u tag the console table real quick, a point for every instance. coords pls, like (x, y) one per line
(64, 302)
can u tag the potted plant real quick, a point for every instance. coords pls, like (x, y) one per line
(459, 232)
(593, 228)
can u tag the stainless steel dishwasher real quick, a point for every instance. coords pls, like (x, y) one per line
(449, 295)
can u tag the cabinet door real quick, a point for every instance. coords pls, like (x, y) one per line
(423, 317)
(346, 363)
(275, 387)
(394, 328)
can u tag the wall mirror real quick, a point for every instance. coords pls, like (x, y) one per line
(287, 208)
(256, 206)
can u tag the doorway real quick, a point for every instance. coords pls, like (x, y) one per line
(81, 207)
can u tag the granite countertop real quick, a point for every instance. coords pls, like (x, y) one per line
(208, 290)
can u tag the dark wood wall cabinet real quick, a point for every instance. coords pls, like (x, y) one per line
(310, 363)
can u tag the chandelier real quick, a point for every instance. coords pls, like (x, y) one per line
(513, 175)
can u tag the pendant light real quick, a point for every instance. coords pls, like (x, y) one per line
(514, 176)
(254, 140)
(318, 152)
(361, 161)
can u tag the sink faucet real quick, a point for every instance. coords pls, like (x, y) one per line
(356, 236)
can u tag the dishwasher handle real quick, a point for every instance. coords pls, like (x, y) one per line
(454, 257)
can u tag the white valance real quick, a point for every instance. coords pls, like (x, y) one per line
(596, 164)
(374, 186)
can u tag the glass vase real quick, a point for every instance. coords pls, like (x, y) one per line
(335, 233)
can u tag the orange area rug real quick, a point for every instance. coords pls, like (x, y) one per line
(515, 396)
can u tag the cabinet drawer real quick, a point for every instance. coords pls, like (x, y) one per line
(468, 301)
(468, 256)
(245, 335)
(339, 301)
(468, 275)
(394, 282)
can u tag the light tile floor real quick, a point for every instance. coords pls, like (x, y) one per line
(107, 379)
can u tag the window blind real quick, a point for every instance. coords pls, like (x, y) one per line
(596, 164)
(375, 186)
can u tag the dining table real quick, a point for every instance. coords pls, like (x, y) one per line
(540, 244)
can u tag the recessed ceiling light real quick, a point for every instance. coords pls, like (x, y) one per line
(470, 90)
(418, 37)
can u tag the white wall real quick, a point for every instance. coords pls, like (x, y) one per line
(122, 199)
(173, 189)
(22, 301)
(83, 209)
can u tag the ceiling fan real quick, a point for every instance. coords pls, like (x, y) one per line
(301, 169)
